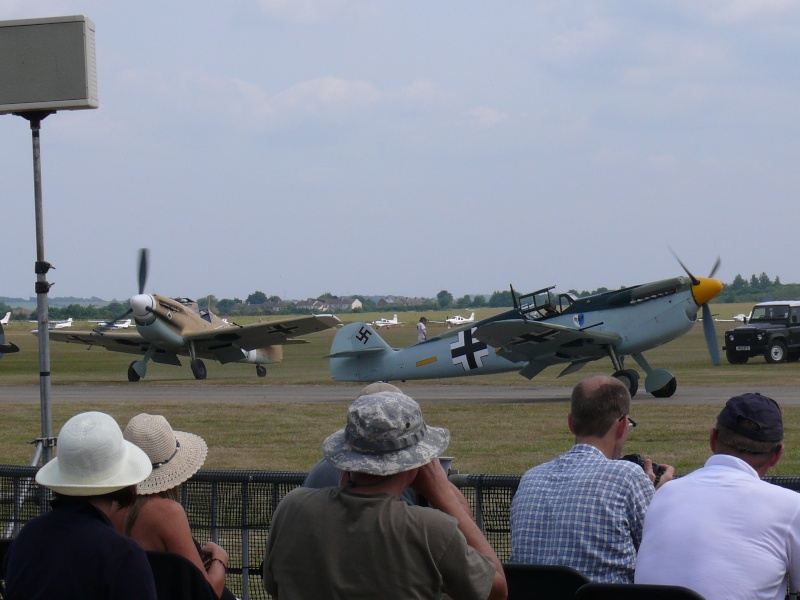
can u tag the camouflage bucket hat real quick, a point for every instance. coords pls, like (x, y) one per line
(385, 434)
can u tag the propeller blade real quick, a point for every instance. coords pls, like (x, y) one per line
(714, 268)
(695, 280)
(143, 254)
(711, 335)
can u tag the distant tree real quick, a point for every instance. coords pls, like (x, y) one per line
(738, 283)
(257, 298)
(777, 281)
(464, 301)
(501, 299)
(209, 301)
(754, 282)
(326, 296)
(478, 301)
(225, 305)
(764, 281)
(444, 298)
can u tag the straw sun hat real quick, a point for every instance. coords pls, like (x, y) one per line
(175, 455)
(93, 459)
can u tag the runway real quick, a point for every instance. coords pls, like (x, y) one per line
(786, 396)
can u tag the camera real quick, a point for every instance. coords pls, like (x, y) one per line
(637, 458)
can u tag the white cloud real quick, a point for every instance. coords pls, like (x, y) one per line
(486, 117)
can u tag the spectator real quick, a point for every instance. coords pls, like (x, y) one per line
(720, 530)
(422, 330)
(156, 519)
(584, 509)
(73, 551)
(361, 540)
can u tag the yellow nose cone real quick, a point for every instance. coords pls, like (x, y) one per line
(706, 290)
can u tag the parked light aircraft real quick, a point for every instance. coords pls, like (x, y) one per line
(168, 327)
(121, 324)
(6, 319)
(458, 320)
(60, 324)
(6, 347)
(545, 329)
(387, 322)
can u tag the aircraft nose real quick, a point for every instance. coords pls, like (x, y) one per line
(706, 289)
(142, 305)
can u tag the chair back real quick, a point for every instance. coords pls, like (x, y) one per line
(635, 591)
(545, 582)
(177, 578)
(5, 544)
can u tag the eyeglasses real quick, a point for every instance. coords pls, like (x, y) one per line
(631, 422)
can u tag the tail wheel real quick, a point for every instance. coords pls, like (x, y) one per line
(199, 369)
(132, 374)
(630, 378)
(668, 390)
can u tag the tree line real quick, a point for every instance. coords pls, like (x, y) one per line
(758, 288)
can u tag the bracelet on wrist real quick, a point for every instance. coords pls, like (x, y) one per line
(219, 560)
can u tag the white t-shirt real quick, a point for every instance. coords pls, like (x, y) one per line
(722, 532)
(421, 332)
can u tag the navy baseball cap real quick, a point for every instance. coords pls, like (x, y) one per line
(754, 416)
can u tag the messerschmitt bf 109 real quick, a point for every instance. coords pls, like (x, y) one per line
(544, 329)
(168, 327)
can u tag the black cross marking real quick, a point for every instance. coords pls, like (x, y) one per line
(286, 330)
(535, 338)
(467, 351)
(363, 335)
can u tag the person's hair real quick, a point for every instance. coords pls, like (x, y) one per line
(122, 497)
(738, 443)
(141, 500)
(596, 403)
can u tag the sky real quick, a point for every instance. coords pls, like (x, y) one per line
(299, 147)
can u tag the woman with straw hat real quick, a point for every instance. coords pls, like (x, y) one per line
(156, 519)
(73, 551)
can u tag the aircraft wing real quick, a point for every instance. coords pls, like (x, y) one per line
(259, 335)
(114, 341)
(521, 340)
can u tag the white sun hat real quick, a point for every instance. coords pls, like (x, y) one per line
(175, 455)
(93, 458)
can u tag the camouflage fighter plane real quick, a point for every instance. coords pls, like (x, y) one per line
(544, 329)
(169, 327)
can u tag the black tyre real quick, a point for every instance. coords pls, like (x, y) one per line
(736, 358)
(132, 375)
(668, 390)
(630, 378)
(261, 370)
(776, 352)
(199, 369)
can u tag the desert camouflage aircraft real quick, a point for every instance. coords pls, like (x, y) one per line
(545, 329)
(169, 327)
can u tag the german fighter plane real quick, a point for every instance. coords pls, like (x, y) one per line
(168, 327)
(544, 329)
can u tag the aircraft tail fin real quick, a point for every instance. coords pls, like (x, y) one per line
(353, 347)
(6, 348)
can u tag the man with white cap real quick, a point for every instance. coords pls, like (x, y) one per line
(361, 540)
(73, 550)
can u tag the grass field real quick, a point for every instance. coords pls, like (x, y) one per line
(486, 438)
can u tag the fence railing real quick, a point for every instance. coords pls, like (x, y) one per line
(235, 508)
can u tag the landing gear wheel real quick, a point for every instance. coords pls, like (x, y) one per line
(198, 369)
(736, 358)
(132, 374)
(261, 370)
(630, 378)
(668, 390)
(776, 352)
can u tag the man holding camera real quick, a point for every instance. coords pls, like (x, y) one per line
(585, 509)
(721, 530)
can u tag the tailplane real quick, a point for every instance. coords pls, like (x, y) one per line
(353, 344)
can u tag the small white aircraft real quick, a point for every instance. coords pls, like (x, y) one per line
(121, 324)
(60, 324)
(4, 320)
(387, 322)
(458, 320)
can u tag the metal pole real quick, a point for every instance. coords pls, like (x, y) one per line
(42, 287)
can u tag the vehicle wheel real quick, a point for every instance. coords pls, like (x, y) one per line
(198, 369)
(668, 390)
(735, 358)
(776, 352)
(261, 370)
(630, 378)
(132, 375)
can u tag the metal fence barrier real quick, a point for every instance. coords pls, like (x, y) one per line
(235, 508)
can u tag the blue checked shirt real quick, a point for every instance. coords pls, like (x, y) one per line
(584, 511)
